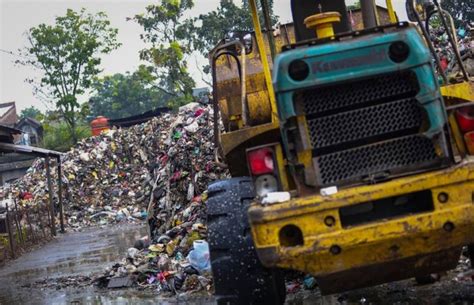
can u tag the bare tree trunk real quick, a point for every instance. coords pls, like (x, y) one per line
(74, 134)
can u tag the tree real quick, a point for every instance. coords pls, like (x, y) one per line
(57, 134)
(122, 95)
(168, 33)
(209, 29)
(31, 112)
(354, 6)
(68, 55)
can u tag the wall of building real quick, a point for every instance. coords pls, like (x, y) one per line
(357, 23)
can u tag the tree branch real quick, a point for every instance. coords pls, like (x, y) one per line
(46, 69)
(165, 91)
(202, 73)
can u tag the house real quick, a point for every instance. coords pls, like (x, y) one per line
(200, 92)
(355, 17)
(12, 165)
(33, 129)
(8, 115)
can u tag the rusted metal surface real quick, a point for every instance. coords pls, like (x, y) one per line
(60, 197)
(399, 269)
(407, 239)
(227, 83)
(26, 226)
(11, 238)
(50, 192)
(17, 218)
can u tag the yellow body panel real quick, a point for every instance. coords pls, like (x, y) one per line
(230, 140)
(264, 58)
(391, 12)
(454, 94)
(421, 241)
(373, 243)
(463, 91)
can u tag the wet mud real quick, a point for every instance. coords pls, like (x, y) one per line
(62, 272)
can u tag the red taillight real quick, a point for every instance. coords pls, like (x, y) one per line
(465, 118)
(261, 161)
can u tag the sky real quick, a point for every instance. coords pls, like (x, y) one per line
(17, 16)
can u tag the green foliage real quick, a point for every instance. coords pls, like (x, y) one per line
(4, 242)
(31, 112)
(122, 95)
(68, 54)
(209, 29)
(354, 6)
(169, 36)
(57, 135)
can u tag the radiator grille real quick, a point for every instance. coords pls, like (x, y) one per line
(390, 155)
(393, 86)
(399, 116)
(367, 128)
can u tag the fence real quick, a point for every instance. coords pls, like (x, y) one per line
(23, 227)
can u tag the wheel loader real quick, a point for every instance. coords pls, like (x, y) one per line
(350, 152)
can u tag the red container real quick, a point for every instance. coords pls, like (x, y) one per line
(465, 118)
(99, 124)
(469, 139)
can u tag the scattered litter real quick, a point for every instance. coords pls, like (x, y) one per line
(309, 282)
(199, 256)
(276, 197)
(328, 191)
(120, 282)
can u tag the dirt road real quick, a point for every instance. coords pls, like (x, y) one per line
(93, 250)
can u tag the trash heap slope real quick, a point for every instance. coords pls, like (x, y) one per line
(159, 167)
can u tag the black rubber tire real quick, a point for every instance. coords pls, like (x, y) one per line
(428, 279)
(239, 277)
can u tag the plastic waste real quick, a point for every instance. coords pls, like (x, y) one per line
(132, 252)
(328, 191)
(309, 282)
(276, 197)
(199, 256)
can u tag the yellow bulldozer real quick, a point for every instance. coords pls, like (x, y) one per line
(350, 151)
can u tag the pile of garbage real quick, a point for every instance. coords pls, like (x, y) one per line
(463, 37)
(161, 267)
(158, 169)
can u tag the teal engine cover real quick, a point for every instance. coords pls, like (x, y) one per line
(370, 104)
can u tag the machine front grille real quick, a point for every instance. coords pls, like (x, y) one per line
(402, 116)
(392, 155)
(355, 94)
(366, 128)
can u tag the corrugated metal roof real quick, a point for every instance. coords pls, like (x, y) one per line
(30, 150)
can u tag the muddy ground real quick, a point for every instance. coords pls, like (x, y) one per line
(30, 279)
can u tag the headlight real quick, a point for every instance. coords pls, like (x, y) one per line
(298, 70)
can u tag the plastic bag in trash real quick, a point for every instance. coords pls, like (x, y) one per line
(199, 256)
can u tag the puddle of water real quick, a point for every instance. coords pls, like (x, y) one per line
(89, 296)
(71, 254)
